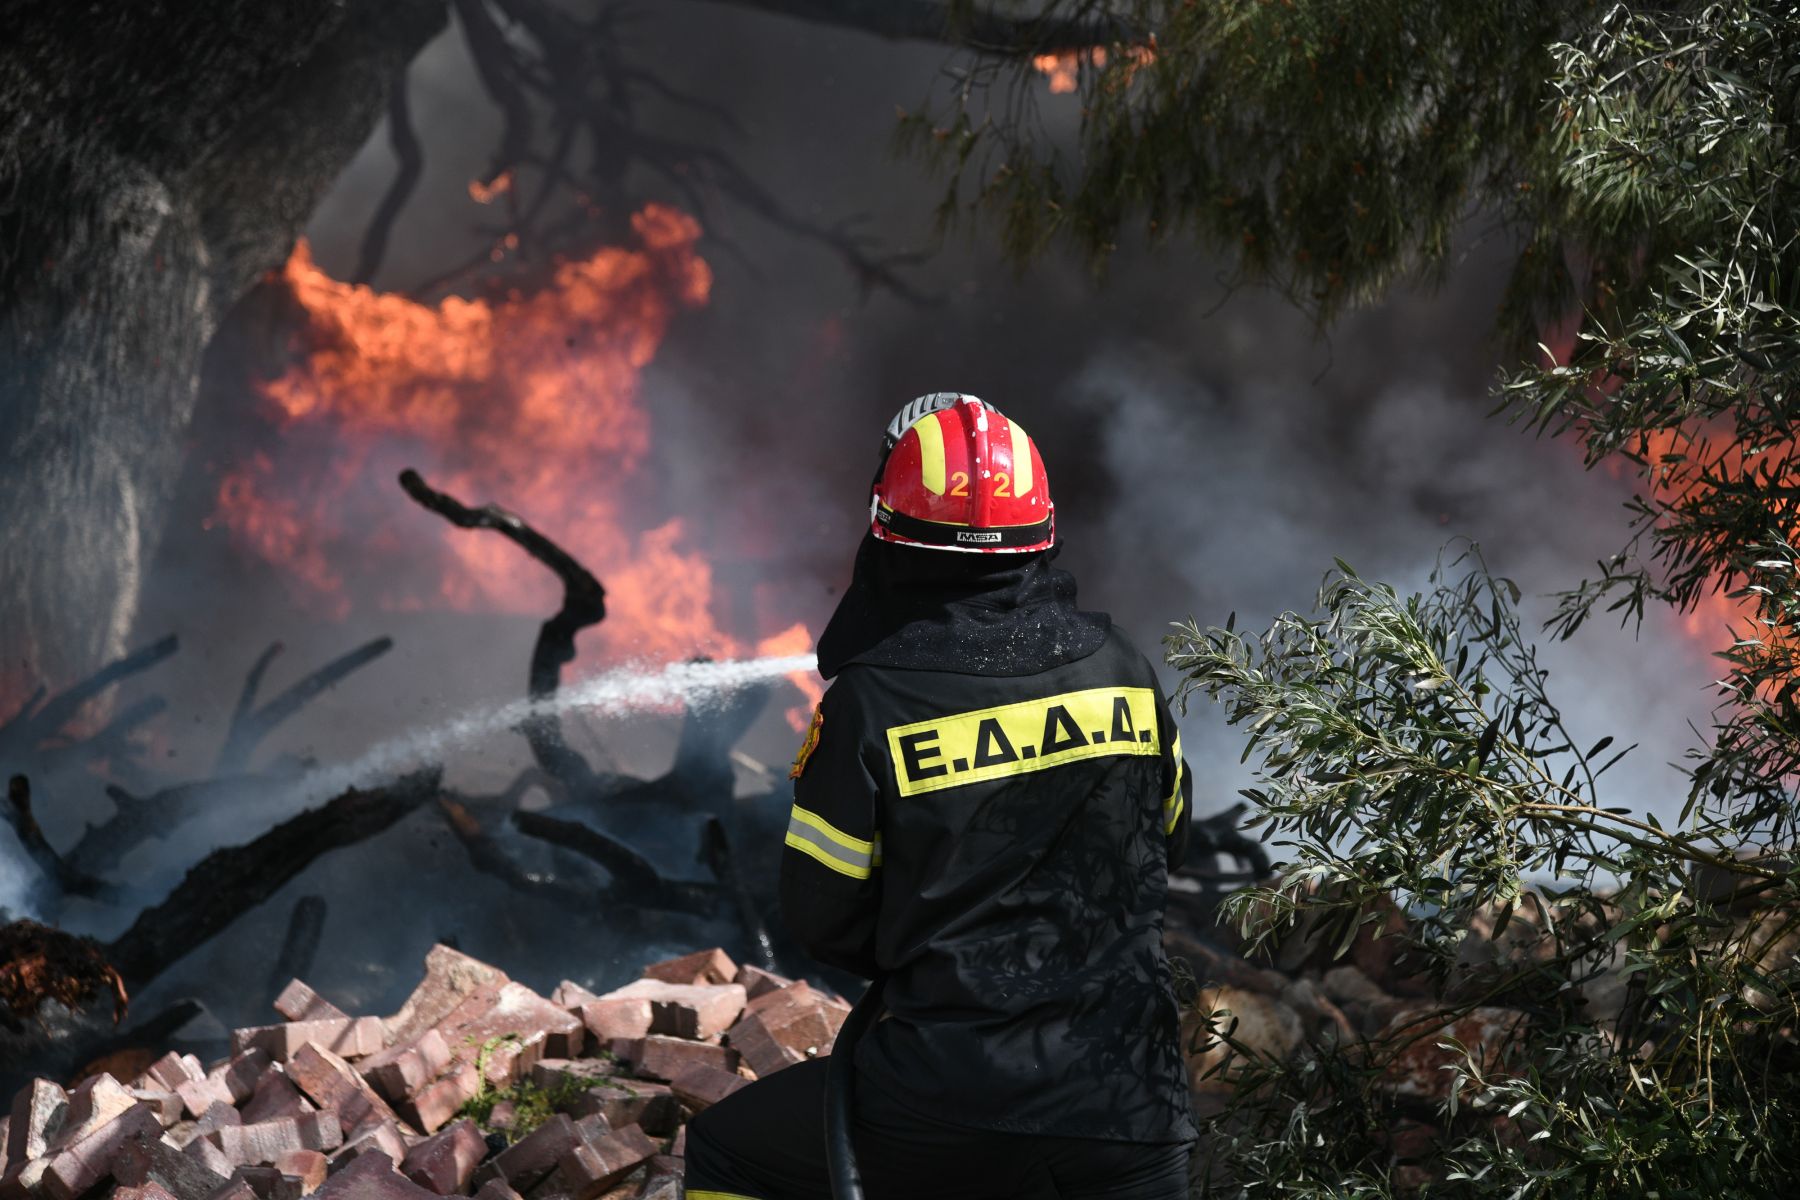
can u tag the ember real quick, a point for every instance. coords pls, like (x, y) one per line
(39, 963)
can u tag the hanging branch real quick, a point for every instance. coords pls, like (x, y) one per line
(411, 160)
(584, 604)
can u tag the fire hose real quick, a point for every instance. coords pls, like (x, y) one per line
(840, 1086)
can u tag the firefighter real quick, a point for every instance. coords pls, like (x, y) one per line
(986, 807)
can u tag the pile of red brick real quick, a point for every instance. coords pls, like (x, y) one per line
(338, 1107)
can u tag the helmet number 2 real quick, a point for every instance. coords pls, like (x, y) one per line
(959, 484)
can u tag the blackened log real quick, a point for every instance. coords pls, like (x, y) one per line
(487, 857)
(228, 883)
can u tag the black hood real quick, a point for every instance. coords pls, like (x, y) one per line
(976, 614)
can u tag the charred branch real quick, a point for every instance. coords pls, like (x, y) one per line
(139, 819)
(584, 604)
(300, 945)
(249, 728)
(635, 879)
(486, 856)
(18, 813)
(974, 28)
(229, 882)
(41, 721)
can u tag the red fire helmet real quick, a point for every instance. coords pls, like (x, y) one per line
(964, 477)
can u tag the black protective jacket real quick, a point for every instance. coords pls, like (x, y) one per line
(985, 813)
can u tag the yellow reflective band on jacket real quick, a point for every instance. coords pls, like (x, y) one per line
(1015, 739)
(1172, 803)
(813, 835)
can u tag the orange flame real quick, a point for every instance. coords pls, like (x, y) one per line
(529, 400)
(1063, 67)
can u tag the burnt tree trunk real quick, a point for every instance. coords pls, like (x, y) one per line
(157, 158)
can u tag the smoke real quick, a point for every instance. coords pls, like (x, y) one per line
(17, 872)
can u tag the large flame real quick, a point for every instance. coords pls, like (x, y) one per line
(528, 400)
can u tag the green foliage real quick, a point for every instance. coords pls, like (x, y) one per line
(1408, 746)
(532, 1104)
(1641, 159)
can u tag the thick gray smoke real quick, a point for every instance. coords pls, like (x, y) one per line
(1203, 461)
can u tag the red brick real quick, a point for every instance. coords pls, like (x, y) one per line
(703, 966)
(446, 1161)
(497, 1189)
(263, 1143)
(661, 1187)
(306, 1167)
(145, 1160)
(170, 1071)
(687, 1010)
(620, 1017)
(203, 1151)
(332, 1083)
(786, 1027)
(239, 1073)
(524, 1012)
(144, 1191)
(298, 1002)
(450, 977)
(216, 1117)
(371, 1176)
(551, 1073)
(570, 995)
(381, 1138)
(275, 1097)
(351, 1037)
(38, 1112)
(199, 1095)
(93, 1104)
(168, 1105)
(236, 1189)
(400, 1071)
(756, 981)
(86, 1160)
(702, 1087)
(590, 1168)
(437, 1102)
(652, 1106)
(263, 1180)
(524, 1163)
(663, 1058)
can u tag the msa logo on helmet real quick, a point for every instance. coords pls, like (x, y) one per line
(981, 537)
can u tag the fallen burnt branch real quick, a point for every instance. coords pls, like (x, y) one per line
(60, 871)
(229, 882)
(583, 604)
(33, 740)
(634, 878)
(487, 857)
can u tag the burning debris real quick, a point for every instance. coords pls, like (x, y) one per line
(476, 1085)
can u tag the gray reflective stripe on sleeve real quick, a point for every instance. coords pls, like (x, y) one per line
(816, 837)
